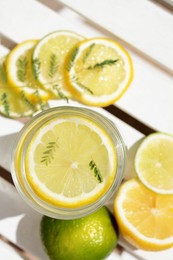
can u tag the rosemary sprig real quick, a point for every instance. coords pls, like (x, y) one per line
(88, 52)
(40, 101)
(5, 104)
(72, 58)
(27, 101)
(75, 80)
(36, 67)
(96, 170)
(47, 155)
(60, 94)
(53, 65)
(103, 64)
(3, 74)
(22, 65)
(85, 88)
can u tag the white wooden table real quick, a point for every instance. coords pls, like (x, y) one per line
(145, 28)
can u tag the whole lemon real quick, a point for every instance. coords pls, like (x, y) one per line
(92, 237)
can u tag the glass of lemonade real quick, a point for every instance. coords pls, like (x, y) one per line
(68, 161)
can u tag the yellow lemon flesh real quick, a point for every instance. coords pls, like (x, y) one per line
(98, 71)
(145, 218)
(50, 54)
(70, 161)
(20, 73)
(154, 162)
(12, 104)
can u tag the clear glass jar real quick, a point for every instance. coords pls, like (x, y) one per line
(25, 137)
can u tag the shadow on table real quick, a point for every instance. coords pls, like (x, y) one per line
(6, 149)
(19, 221)
(28, 235)
(129, 171)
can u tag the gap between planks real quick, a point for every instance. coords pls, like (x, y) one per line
(56, 5)
(168, 4)
(25, 255)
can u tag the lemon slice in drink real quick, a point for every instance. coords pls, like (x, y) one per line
(50, 54)
(13, 104)
(154, 162)
(98, 71)
(144, 217)
(20, 74)
(70, 161)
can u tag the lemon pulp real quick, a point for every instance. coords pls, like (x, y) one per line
(13, 104)
(144, 217)
(51, 52)
(98, 71)
(154, 162)
(70, 161)
(20, 74)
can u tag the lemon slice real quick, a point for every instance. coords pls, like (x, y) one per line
(144, 217)
(98, 71)
(13, 104)
(20, 74)
(49, 56)
(70, 161)
(154, 162)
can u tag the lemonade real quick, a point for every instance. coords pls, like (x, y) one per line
(68, 161)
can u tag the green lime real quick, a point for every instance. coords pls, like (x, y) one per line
(92, 237)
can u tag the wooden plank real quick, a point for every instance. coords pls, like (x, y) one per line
(150, 86)
(140, 23)
(29, 20)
